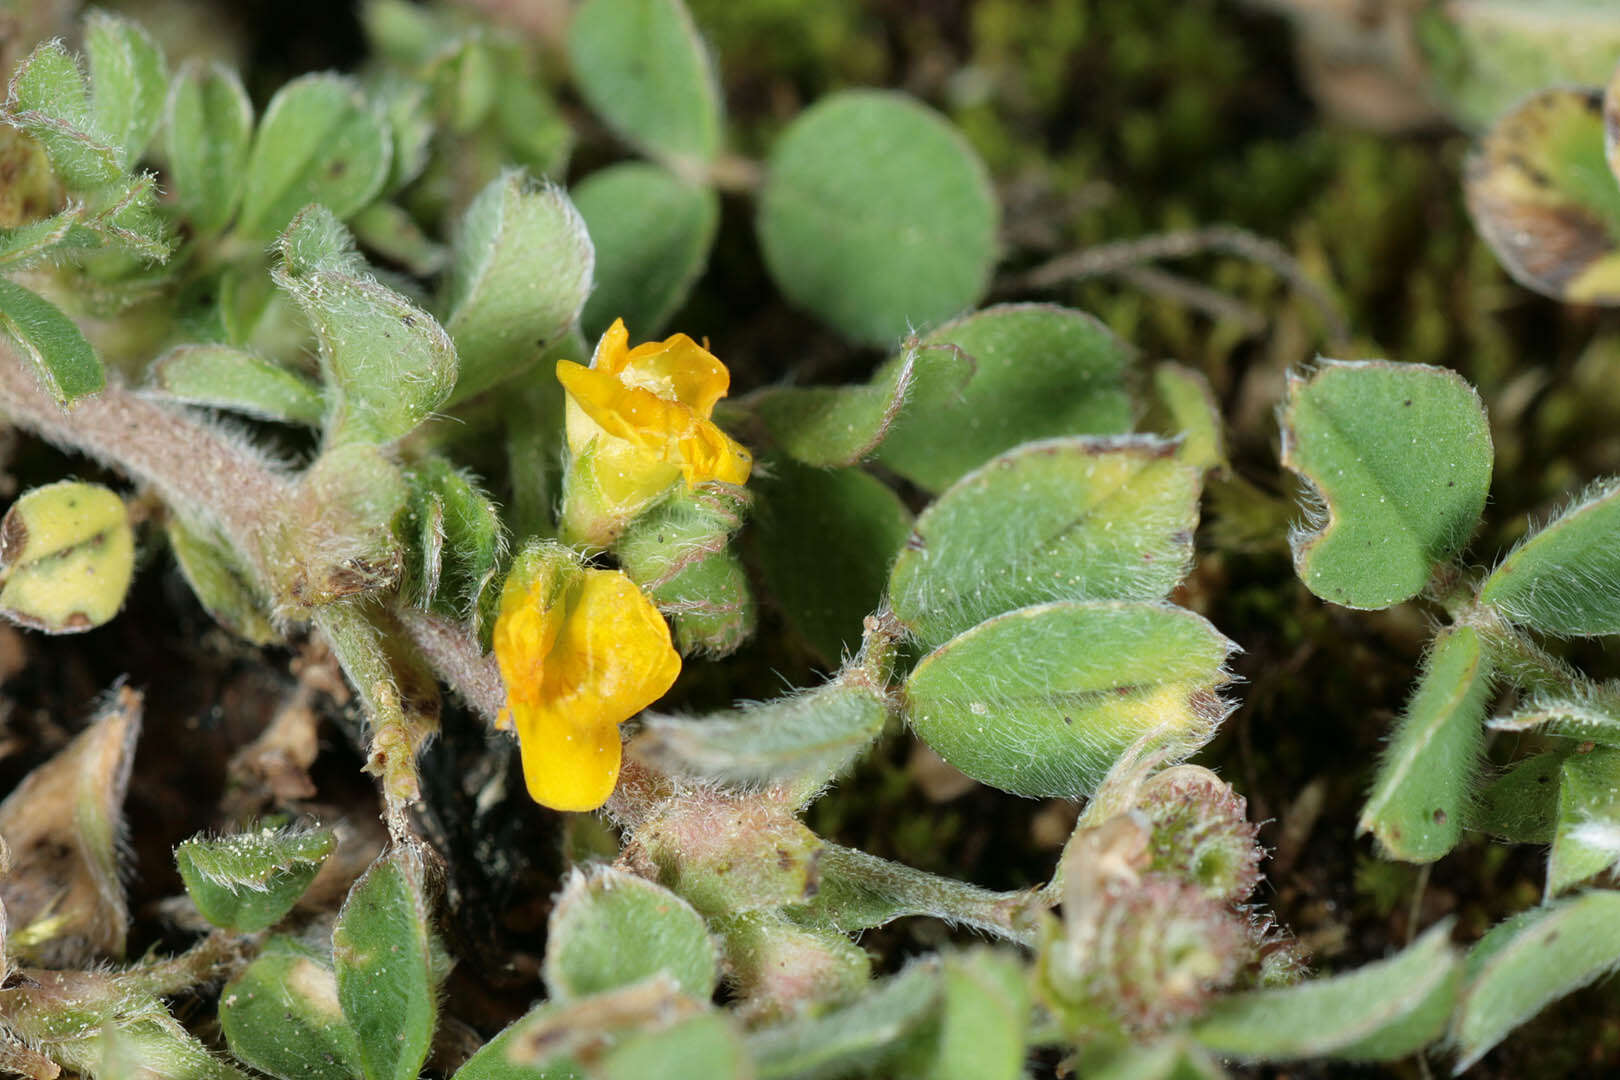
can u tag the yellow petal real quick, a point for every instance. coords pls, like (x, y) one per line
(632, 413)
(567, 766)
(525, 632)
(614, 656)
(681, 369)
(707, 453)
(613, 350)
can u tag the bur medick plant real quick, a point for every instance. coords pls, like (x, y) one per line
(388, 392)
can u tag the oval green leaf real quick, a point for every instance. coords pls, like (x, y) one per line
(387, 971)
(282, 1017)
(1065, 519)
(1040, 702)
(1380, 1012)
(226, 378)
(1398, 461)
(1037, 371)
(1587, 839)
(128, 81)
(520, 271)
(63, 356)
(1542, 195)
(208, 127)
(1530, 961)
(320, 142)
(877, 216)
(642, 68)
(652, 233)
(825, 539)
(1565, 579)
(1429, 770)
(249, 881)
(611, 929)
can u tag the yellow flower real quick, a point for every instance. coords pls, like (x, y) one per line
(638, 423)
(581, 650)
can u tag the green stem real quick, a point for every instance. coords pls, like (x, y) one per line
(359, 649)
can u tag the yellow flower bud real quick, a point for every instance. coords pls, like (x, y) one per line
(581, 650)
(637, 424)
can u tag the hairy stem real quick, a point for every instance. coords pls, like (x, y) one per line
(454, 653)
(207, 477)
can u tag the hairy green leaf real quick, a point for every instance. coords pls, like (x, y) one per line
(64, 358)
(236, 379)
(247, 882)
(610, 929)
(1565, 579)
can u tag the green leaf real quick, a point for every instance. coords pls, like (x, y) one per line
(393, 233)
(1424, 781)
(1521, 805)
(858, 892)
(704, 1047)
(129, 80)
(679, 553)
(983, 1020)
(1561, 580)
(726, 853)
(249, 881)
(387, 364)
(843, 425)
(1486, 55)
(236, 379)
(1038, 371)
(1064, 519)
(877, 216)
(806, 738)
(824, 540)
(1380, 1012)
(282, 1017)
(611, 929)
(208, 126)
(1531, 961)
(28, 244)
(1590, 714)
(494, 1062)
(1397, 459)
(1041, 701)
(652, 232)
(1176, 1058)
(67, 555)
(642, 68)
(64, 358)
(320, 141)
(387, 970)
(520, 271)
(48, 99)
(1191, 411)
(1587, 841)
(1542, 195)
(459, 537)
(852, 1039)
(223, 588)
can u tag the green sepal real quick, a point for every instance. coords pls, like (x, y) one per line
(388, 966)
(680, 553)
(610, 929)
(1064, 519)
(249, 881)
(67, 557)
(458, 540)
